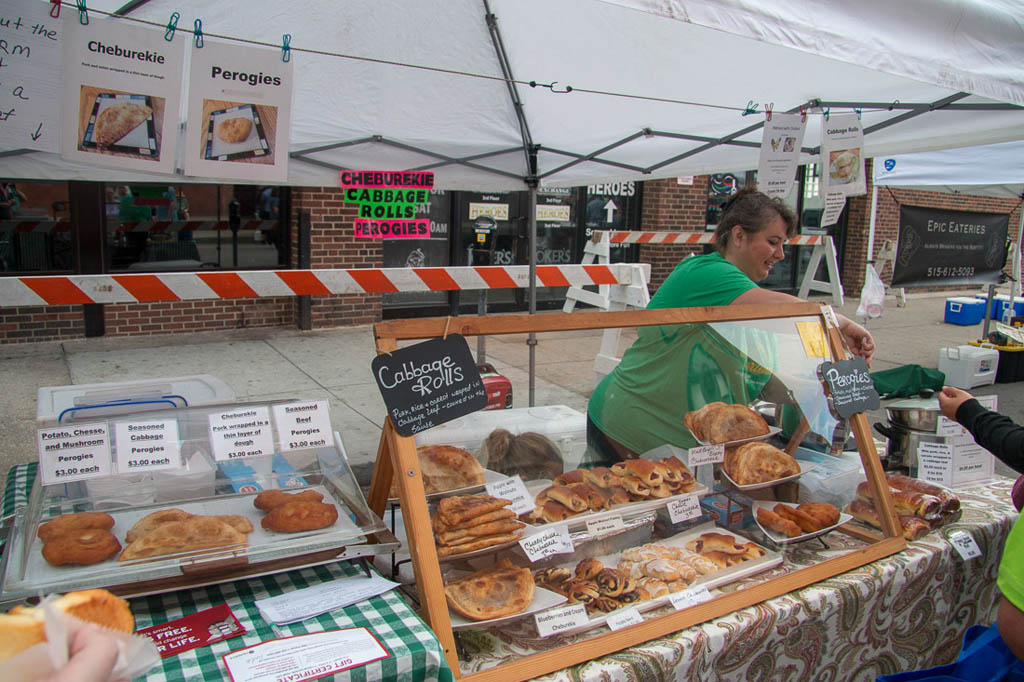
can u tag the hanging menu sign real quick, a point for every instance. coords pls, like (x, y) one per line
(147, 446)
(73, 453)
(429, 384)
(241, 433)
(850, 387)
(30, 64)
(781, 143)
(303, 425)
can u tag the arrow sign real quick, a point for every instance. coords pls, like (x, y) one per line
(38, 133)
(610, 209)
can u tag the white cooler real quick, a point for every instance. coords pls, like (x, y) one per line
(969, 366)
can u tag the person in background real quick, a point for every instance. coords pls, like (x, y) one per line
(10, 200)
(167, 211)
(1004, 439)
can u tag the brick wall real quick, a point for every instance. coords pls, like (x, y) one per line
(671, 207)
(41, 323)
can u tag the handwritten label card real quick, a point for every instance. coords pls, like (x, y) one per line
(849, 386)
(73, 453)
(244, 432)
(512, 488)
(554, 621)
(612, 524)
(546, 543)
(30, 66)
(963, 542)
(935, 463)
(303, 425)
(147, 446)
(624, 618)
(691, 596)
(304, 657)
(429, 384)
(705, 454)
(684, 509)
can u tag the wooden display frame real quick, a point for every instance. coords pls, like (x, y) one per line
(398, 454)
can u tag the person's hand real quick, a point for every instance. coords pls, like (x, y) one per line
(93, 657)
(858, 339)
(950, 400)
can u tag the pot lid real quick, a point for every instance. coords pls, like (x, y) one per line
(915, 404)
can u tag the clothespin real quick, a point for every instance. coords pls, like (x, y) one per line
(83, 13)
(803, 114)
(768, 111)
(55, 9)
(826, 111)
(286, 48)
(172, 26)
(857, 111)
(893, 105)
(198, 32)
(751, 108)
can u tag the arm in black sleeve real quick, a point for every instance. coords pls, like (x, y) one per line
(994, 432)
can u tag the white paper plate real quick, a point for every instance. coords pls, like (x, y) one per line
(772, 430)
(639, 507)
(542, 600)
(712, 580)
(804, 468)
(489, 477)
(781, 539)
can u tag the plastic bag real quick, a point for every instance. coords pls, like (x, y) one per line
(872, 295)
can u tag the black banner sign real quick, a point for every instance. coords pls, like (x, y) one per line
(850, 387)
(939, 247)
(429, 384)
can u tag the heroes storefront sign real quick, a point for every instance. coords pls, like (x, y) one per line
(387, 202)
(939, 247)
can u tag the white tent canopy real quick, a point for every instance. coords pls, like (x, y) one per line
(986, 170)
(657, 85)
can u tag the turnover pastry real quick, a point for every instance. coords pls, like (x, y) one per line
(175, 537)
(117, 120)
(721, 423)
(234, 130)
(444, 468)
(759, 462)
(502, 590)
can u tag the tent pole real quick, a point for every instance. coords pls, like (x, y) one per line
(871, 224)
(532, 338)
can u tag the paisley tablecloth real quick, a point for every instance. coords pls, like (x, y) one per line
(905, 612)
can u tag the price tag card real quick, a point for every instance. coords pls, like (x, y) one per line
(988, 401)
(303, 425)
(553, 621)
(612, 524)
(947, 427)
(705, 454)
(544, 544)
(512, 488)
(935, 463)
(147, 446)
(964, 543)
(304, 657)
(684, 509)
(240, 433)
(74, 452)
(826, 310)
(624, 618)
(691, 596)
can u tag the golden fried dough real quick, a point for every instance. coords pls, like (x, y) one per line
(149, 522)
(268, 499)
(81, 547)
(194, 533)
(234, 130)
(74, 522)
(295, 517)
(119, 119)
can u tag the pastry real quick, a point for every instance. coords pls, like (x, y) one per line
(444, 468)
(907, 501)
(695, 420)
(597, 499)
(603, 604)
(642, 469)
(644, 553)
(117, 120)
(662, 569)
(81, 547)
(655, 588)
(661, 491)
(720, 423)
(554, 511)
(455, 510)
(913, 528)
(760, 463)
(619, 496)
(710, 542)
(581, 591)
(772, 521)
(236, 521)
(494, 528)
(478, 543)
(588, 568)
(612, 583)
(234, 130)
(489, 517)
(73, 522)
(950, 501)
(677, 471)
(807, 523)
(296, 517)
(495, 592)
(824, 513)
(698, 563)
(569, 477)
(553, 576)
(149, 522)
(602, 477)
(639, 594)
(192, 534)
(753, 551)
(268, 499)
(635, 487)
(721, 559)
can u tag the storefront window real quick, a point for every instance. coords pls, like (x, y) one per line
(35, 235)
(614, 206)
(422, 253)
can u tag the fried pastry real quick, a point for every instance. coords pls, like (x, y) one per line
(81, 547)
(60, 525)
(495, 592)
(268, 499)
(444, 468)
(234, 130)
(296, 517)
(485, 529)
(824, 513)
(192, 534)
(479, 543)
(455, 510)
(695, 420)
(117, 120)
(489, 517)
(149, 522)
(807, 523)
(759, 462)
(772, 521)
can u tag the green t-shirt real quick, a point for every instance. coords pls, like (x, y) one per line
(641, 403)
(1011, 567)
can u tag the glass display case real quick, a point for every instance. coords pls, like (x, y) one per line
(184, 503)
(692, 497)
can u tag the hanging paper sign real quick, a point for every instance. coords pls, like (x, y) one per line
(835, 202)
(122, 86)
(147, 446)
(842, 156)
(388, 202)
(73, 453)
(303, 425)
(29, 76)
(241, 433)
(239, 113)
(429, 383)
(850, 387)
(780, 153)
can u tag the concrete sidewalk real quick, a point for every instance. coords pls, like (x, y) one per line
(265, 364)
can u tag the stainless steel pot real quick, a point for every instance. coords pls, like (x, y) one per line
(901, 449)
(917, 414)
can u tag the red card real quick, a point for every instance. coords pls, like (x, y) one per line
(198, 629)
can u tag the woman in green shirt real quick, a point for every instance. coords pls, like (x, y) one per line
(641, 403)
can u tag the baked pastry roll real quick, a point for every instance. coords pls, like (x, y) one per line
(906, 501)
(634, 486)
(117, 120)
(569, 477)
(612, 583)
(715, 542)
(555, 511)
(568, 497)
(602, 477)
(644, 469)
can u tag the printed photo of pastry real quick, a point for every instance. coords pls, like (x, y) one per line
(844, 166)
(121, 123)
(237, 131)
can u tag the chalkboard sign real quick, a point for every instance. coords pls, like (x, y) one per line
(850, 387)
(429, 384)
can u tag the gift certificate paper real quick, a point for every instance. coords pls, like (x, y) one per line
(304, 657)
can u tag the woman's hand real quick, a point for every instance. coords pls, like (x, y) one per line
(93, 657)
(858, 339)
(950, 400)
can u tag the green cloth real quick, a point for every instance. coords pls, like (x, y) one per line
(1011, 568)
(641, 403)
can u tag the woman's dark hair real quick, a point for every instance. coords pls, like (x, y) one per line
(530, 455)
(753, 211)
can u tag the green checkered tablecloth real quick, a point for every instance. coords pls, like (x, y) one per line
(415, 653)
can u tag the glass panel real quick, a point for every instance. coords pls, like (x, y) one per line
(421, 253)
(34, 231)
